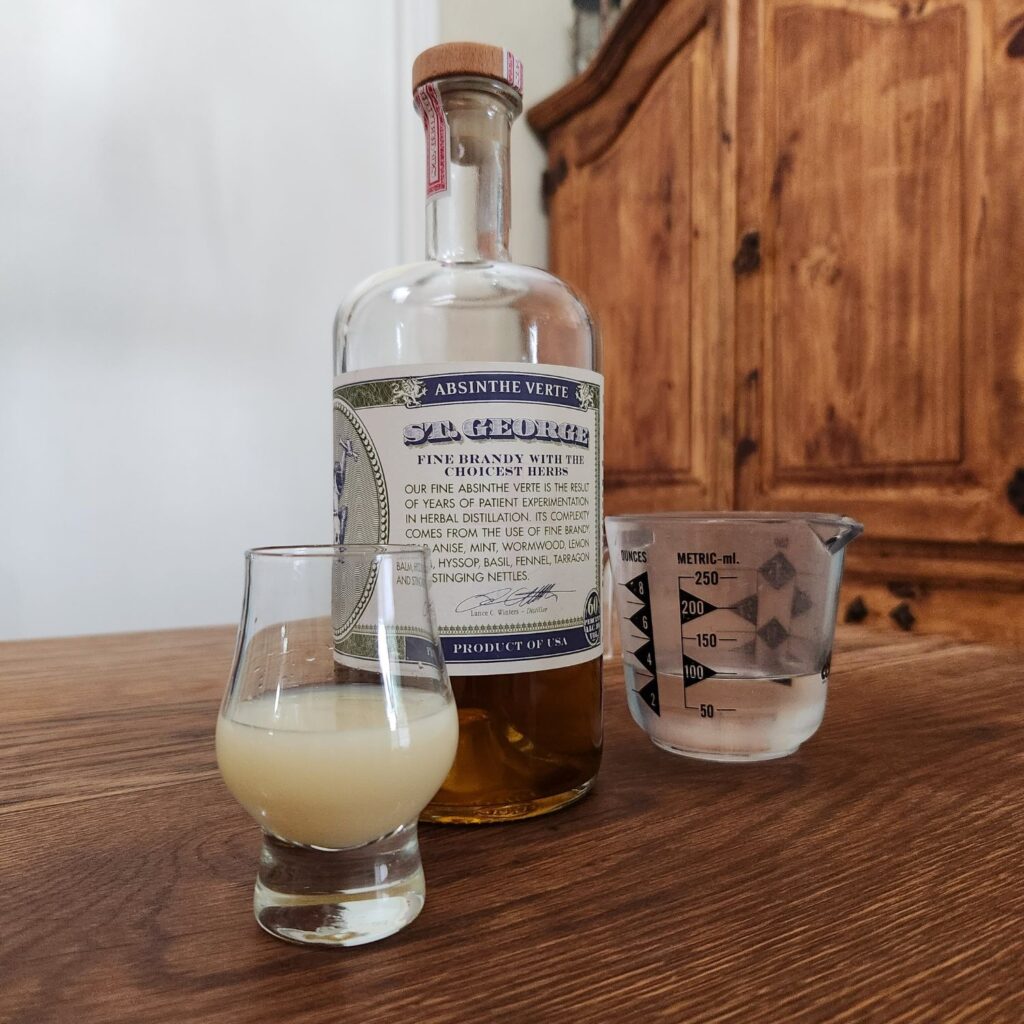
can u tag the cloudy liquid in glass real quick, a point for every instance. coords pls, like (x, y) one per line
(337, 766)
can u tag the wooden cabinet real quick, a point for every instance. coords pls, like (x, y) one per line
(636, 227)
(800, 224)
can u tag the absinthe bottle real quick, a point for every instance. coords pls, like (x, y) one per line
(468, 417)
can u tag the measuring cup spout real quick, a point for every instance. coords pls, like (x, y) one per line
(835, 535)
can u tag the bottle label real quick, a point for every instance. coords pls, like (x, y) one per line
(496, 467)
(435, 124)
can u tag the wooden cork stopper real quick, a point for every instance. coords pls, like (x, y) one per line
(451, 59)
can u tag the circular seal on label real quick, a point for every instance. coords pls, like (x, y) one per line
(360, 515)
(592, 619)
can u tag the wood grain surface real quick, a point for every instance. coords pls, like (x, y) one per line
(800, 228)
(876, 875)
(645, 148)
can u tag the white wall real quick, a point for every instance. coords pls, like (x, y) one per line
(538, 32)
(187, 190)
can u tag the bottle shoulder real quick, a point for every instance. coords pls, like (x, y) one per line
(480, 285)
(431, 311)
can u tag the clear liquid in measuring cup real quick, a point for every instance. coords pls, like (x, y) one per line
(739, 719)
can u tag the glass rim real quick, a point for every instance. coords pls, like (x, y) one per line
(334, 550)
(825, 518)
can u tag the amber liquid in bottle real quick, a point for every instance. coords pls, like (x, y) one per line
(530, 741)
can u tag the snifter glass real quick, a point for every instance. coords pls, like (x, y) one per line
(337, 728)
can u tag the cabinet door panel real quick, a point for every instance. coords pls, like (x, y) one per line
(635, 229)
(865, 331)
(868, 363)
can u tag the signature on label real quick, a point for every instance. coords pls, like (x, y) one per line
(511, 597)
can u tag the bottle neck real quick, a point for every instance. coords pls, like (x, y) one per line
(468, 221)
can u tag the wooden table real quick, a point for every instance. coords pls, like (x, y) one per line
(874, 876)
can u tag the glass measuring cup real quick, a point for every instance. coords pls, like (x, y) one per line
(727, 621)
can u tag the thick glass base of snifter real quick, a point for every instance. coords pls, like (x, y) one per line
(317, 897)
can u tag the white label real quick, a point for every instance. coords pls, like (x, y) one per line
(497, 468)
(513, 69)
(428, 102)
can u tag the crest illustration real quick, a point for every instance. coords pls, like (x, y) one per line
(361, 514)
(408, 392)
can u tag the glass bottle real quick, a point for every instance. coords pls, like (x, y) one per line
(467, 412)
